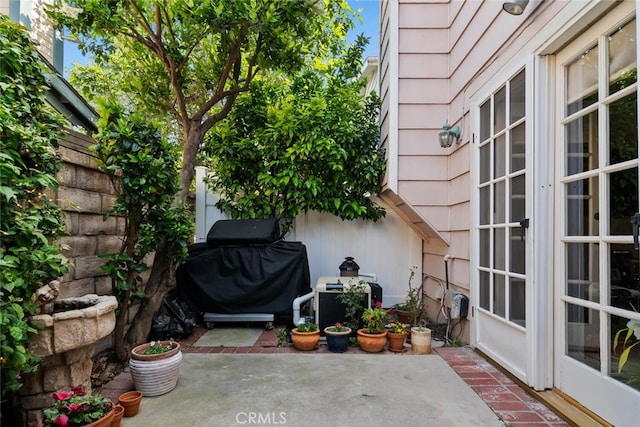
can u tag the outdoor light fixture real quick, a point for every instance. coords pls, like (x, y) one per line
(447, 135)
(515, 7)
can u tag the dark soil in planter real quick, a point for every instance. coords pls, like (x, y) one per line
(62, 306)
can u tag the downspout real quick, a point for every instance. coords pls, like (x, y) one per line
(296, 307)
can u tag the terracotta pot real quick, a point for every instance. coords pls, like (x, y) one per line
(136, 352)
(338, 342)
(155, 374)
(305, 341)
(371, 343)
(396, 341)
(118, 413)
(130, 401)
(102, 422)
(404, 316)
(420, 340)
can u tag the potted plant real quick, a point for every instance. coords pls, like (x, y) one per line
(397, 335)
(337, 337)
(305, 337)
(373, 337)
(76, 408)
(420, 340)
(155, 367)
(412, 311)
(352, 297)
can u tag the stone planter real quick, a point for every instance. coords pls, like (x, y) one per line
(66, 345)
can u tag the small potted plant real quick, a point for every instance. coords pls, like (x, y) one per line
(420, 339)
(373, 337)
(353, 296)
(397, 334)
(155, 367)
(412, 311)
(305, 337)
(75, 408)
(337, 337)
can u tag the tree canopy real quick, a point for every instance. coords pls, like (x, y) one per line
(309, 141)
(190, 59)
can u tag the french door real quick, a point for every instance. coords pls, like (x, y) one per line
(597, 267)
(503, 162)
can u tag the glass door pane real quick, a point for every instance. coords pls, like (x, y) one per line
(502, 202)
(599, 187)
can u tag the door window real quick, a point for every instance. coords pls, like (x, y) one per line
(600, 197)
(502, 222)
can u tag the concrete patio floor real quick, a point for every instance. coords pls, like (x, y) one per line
(258, 383)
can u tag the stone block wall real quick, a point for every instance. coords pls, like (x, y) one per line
(85, 193)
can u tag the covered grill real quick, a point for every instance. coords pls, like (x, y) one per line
(244, 272)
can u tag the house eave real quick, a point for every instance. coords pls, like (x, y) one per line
(64, 98)
(405, 210)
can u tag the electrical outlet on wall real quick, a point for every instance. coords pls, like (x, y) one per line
(457, 303)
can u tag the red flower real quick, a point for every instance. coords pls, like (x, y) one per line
(378, 304)
(73, 407)
(78, 391)
(62, 395)
(61, 420)
(338, 325)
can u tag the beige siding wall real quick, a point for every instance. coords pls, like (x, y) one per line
(446, 51)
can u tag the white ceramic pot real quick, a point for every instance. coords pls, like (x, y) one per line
(420, 340)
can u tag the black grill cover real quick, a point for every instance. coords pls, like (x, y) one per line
(244, 279)
(243, 232)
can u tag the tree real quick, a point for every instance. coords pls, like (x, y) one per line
(189, 60)
(142, 168)
(309, 142)
(30, 222)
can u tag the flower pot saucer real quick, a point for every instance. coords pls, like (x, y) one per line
(402, 350)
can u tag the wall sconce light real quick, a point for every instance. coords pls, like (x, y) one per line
(515, 7)
(447, 135)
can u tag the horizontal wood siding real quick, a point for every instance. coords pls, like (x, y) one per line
(447, 51)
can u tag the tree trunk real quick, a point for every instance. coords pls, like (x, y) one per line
(161, 281)
(189, 152)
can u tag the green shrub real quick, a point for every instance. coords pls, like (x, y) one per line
(30, 223)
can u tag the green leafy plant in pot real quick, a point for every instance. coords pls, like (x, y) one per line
(373, 337)
(353, 297)
(412, 311)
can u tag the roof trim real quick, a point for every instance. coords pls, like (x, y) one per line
(64, 98)
(404, 209)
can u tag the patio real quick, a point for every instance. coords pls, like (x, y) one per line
(225, 384)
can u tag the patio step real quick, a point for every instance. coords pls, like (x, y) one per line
(570, 410)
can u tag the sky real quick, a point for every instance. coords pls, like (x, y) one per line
(369, 26)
